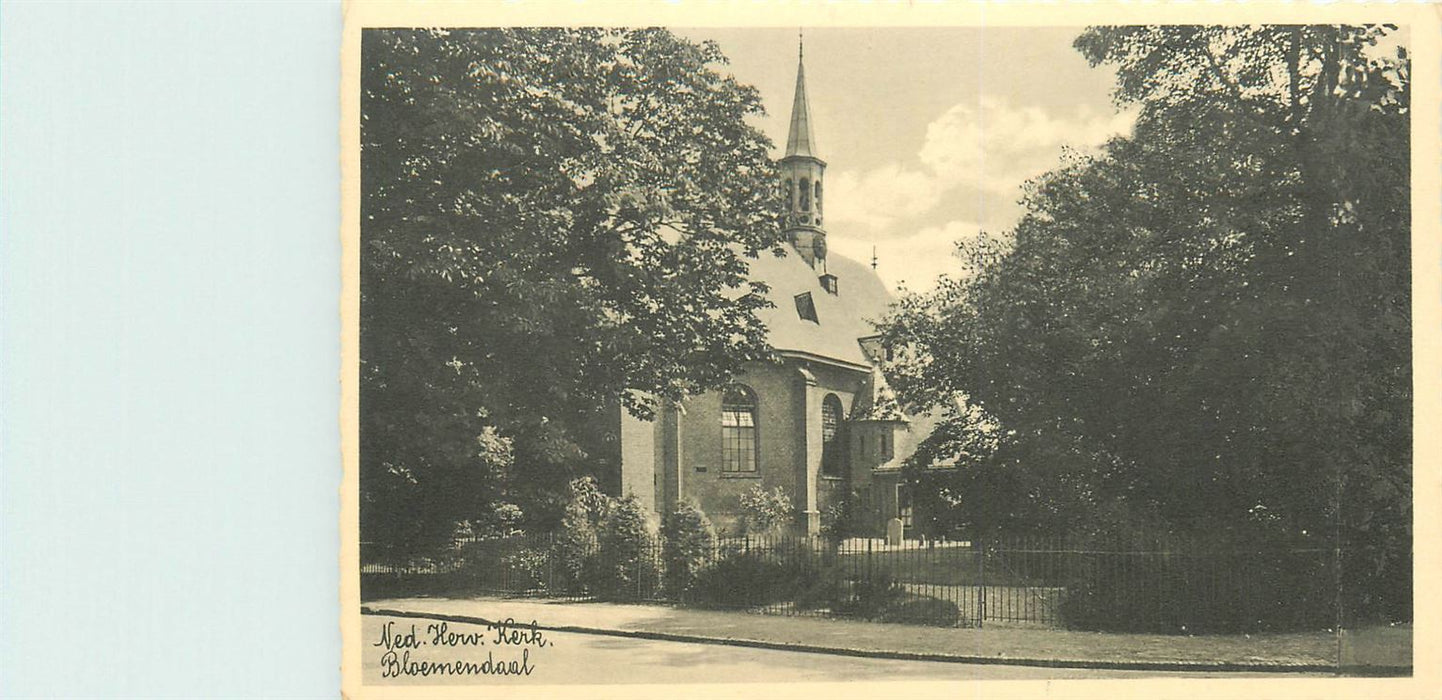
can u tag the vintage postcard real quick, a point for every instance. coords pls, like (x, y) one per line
(835, 347)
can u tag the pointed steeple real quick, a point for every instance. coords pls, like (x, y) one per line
(800, 141)
(802, 171)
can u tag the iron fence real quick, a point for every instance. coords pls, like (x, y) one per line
(1163, 585)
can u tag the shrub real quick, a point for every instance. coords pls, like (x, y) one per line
(586, 494)
(688, 543)
(765, 512)
(820, 588)
(922, 610)
(743, 580)
(1205, 591)
(871, 598)
(841, 519)
(576, 543)
(627, 566)
(527, 568)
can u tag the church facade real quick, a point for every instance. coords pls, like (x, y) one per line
(820, 423)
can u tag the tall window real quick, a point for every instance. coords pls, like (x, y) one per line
(738, 430)
(830, 433)
(805, 194)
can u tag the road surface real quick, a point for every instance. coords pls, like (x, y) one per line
(472, 655)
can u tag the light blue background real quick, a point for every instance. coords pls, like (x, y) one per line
(169, 281)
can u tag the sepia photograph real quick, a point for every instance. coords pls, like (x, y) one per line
(728, 354)
(742, 349)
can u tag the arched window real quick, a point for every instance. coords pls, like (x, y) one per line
(818, 197)
(805, 194)
(830, 436)
(790, 193)
(738, 430)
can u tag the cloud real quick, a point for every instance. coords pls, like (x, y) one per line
(913, 261)
(877, 198)
(989, 147)
(995, 146)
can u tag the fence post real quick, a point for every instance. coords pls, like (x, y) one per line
(1163, 571)
(868, 560)
(1337, 597)
(981, 589)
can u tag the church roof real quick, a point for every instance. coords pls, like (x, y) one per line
(841, 319)
(879, 402)
(800, 141)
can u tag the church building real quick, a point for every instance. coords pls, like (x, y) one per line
(821, 423)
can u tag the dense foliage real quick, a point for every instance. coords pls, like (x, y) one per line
(627, 564)
(844, 517)
(744, 579)
(765, 512)
(688, 544)
(1205, 328)
(555, 226)
(576, 542)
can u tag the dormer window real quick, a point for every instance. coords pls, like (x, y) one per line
(806, 308)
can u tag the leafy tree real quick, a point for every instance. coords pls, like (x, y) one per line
(1206, 327)
(555, 224)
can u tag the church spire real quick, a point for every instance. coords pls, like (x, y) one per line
(800, 141)
(802, 172)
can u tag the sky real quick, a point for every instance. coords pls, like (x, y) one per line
(928, 133)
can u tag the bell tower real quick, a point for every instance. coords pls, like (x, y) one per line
(802, 172)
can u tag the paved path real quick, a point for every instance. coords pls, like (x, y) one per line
(1388, 647)
(569, 657)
